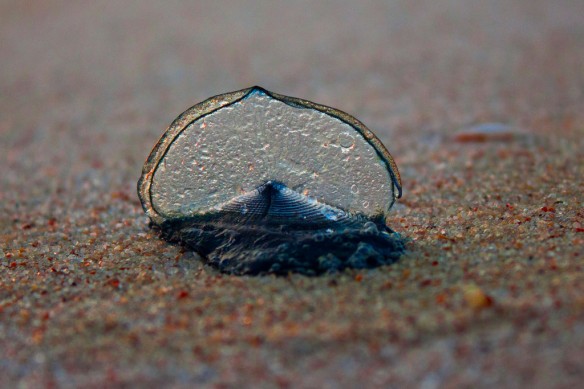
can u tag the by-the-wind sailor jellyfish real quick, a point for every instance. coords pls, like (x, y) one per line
(258, 183)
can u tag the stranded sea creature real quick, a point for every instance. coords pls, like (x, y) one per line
(257, 182)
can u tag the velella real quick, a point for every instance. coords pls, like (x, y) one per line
(257, 183)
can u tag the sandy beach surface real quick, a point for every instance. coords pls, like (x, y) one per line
(480, 103)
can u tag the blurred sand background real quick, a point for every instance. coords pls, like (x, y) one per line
(491, 292)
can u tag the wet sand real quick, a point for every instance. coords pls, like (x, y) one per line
(481, 105)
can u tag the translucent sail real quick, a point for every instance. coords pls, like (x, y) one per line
(258, 138)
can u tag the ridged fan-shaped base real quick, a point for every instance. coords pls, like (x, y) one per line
(274, 229)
